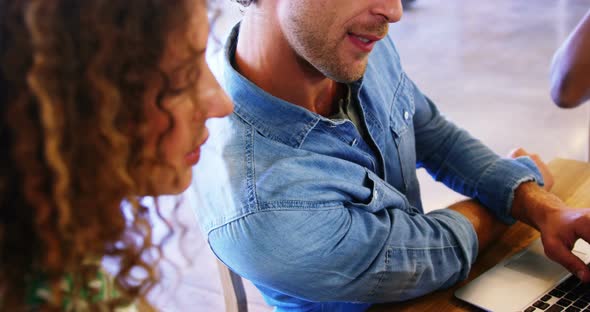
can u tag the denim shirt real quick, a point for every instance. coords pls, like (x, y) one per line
(321, 220)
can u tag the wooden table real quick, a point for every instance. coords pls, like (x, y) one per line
(572, 184)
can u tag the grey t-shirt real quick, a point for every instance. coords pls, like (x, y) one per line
(349, 109)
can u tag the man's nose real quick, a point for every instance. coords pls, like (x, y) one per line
(391, 10)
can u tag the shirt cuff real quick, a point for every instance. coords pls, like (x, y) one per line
(495, 188)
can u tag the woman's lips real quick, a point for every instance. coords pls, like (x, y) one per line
(192, 158)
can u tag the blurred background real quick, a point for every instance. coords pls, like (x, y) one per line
(485, 64)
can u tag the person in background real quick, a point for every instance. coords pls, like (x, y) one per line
(101, 103)
(570, 69)
(325, 210)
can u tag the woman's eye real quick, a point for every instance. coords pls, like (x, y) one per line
(184, 83)
(176, 92)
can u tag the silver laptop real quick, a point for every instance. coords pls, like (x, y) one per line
(529, 281)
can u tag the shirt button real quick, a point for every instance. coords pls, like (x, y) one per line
(406, 115)
(354, 142)
(375, 194)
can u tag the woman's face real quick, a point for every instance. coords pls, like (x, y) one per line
(192, 96)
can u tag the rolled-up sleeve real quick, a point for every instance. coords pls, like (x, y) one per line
(452, 156)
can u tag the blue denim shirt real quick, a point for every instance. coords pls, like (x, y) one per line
(321, 220)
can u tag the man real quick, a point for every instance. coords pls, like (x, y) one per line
(325, 211)
(570, 70)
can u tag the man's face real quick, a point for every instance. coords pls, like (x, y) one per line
(335, 36)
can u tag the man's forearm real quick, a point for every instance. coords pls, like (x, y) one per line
(486, 226)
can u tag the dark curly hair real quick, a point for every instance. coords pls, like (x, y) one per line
(72, 83)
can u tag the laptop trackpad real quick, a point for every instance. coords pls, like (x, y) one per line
(515, 282)
(533, 262)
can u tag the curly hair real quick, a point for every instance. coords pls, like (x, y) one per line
(72, 83)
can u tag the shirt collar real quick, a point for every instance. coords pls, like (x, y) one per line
(272, 117)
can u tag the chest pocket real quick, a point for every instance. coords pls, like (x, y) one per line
(401, 115)
(402, 108)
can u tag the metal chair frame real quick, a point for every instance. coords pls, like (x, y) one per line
(233, 289)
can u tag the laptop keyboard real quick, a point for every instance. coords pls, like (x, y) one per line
(569, 296)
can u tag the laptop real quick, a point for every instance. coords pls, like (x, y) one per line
(529, 281)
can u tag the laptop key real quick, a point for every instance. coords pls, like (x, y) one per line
(572, 309)
(568, 284)
(580, 289)
(541, 305)
(557, 293)
(564, 302)
(580, 304)
(555, 308)
(573, 296)
(546, 298)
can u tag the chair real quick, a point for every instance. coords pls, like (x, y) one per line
(233, 289)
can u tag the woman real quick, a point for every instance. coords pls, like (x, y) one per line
(570, 69)
(100, 102)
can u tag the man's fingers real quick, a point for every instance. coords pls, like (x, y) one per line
(517, 153)
(582, 224)
(562, 255)
(535, 158)
(547, 176)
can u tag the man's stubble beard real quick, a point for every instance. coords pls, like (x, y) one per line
(322, 56)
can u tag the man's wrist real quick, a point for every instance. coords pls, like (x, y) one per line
(532, 204)
(521, 203)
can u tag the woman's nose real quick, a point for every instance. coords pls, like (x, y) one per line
(217, 102)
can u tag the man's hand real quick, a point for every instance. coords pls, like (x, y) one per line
(547, 176)
(560, 226)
